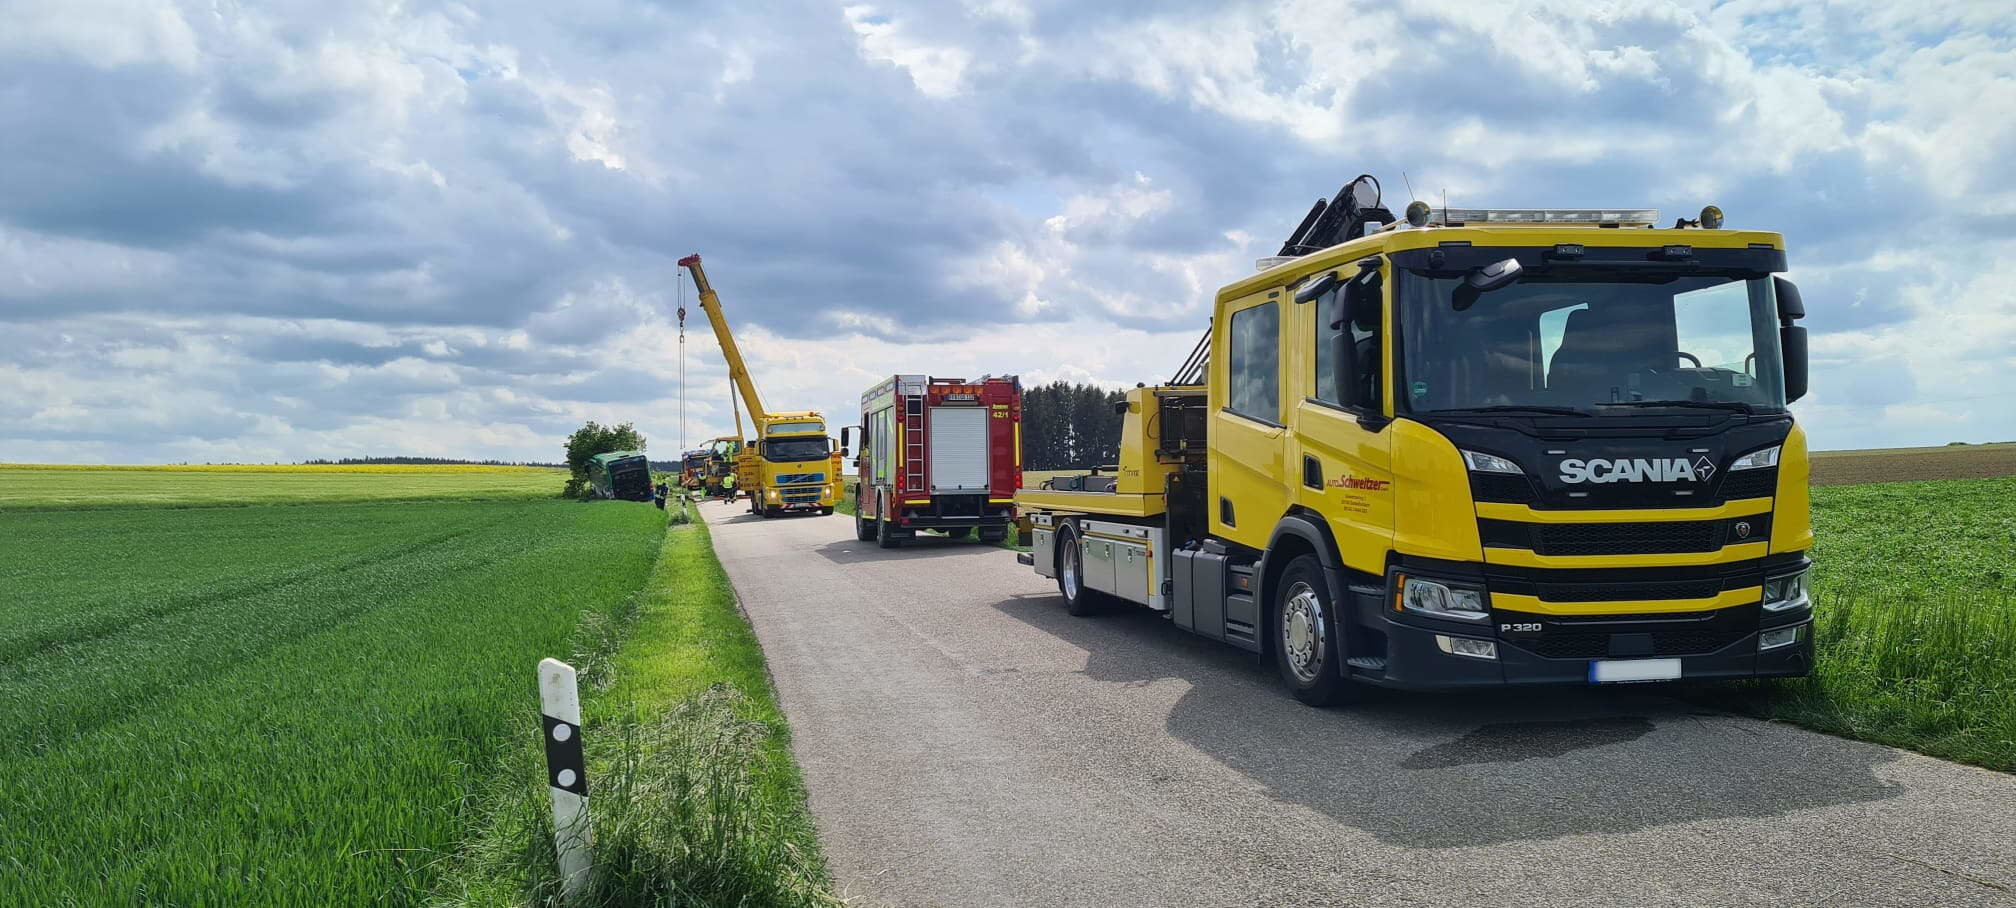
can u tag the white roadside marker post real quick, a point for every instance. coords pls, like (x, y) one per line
(567, 776)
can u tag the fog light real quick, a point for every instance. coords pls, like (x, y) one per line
(1780, 636)
(1465, 646)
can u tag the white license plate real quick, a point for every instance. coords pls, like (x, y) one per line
(1611, 672)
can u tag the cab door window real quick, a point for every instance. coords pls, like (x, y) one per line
(1254, 364)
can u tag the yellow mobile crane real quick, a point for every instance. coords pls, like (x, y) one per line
(792, 466)
(1481, 447)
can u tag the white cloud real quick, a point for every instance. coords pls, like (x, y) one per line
(299, 230)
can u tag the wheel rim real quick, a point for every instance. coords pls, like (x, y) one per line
(1071, 570)
(1302, 632)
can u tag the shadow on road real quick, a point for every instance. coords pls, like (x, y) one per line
(925, 545)
(1476, 768)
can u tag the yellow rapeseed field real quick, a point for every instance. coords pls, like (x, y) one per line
(280, 468)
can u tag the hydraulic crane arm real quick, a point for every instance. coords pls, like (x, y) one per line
(737, 370)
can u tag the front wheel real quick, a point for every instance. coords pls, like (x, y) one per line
(864, 528)
(1307, 641)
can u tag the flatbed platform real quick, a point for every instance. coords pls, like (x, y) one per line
(1116, 504)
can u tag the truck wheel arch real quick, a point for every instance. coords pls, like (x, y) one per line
(1297, 533)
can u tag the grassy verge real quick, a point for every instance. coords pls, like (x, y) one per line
(694, 792)
(1916, 621)
(276, 705)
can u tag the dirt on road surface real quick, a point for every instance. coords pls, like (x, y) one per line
(966, 742)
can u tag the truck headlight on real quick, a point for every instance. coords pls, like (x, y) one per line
(1481, 462)
(1784, 594)
(1441, 600)
(773, 494)
(1757, 460)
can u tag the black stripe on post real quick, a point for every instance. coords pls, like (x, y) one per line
(563, 756)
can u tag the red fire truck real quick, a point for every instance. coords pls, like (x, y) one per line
(937, 454)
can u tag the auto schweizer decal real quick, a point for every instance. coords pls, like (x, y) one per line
(1637, 469)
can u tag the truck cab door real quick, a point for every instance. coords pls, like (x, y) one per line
(1249, 437)
(1343, 442)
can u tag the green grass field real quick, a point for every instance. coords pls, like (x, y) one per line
(1916, 612)
(282, 705)
(37, 487)
(332, 702)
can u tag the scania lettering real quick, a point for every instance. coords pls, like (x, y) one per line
(1469, 448)
(1673, 469)
(792, 465)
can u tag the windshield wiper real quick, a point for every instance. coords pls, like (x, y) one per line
(1516, 408)
(1703, 404)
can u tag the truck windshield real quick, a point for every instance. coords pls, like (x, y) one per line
(792, 450)
(1590, 340)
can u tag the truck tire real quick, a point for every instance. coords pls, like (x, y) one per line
(1078, 599)
(956, 532)
(1308, 642)
(885, 535)
(864, 529)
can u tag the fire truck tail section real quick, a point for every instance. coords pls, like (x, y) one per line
(938, 453)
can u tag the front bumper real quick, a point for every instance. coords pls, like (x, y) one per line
(1413, 659)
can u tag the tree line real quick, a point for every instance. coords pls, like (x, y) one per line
(1069, 426)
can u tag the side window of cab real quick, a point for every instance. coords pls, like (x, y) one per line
(1254, 364)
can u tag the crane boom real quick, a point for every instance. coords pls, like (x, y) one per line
(738, 371)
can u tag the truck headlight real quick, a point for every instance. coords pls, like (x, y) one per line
(1783, 594)
(1757, 460)
(1442, 600)
(1490, 463)
(773, 494)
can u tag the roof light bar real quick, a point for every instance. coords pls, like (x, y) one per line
(1623, 217)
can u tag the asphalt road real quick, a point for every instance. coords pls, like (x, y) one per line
(966, 742)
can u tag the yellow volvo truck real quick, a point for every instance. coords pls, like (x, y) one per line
(1470, 448)
(792, 466)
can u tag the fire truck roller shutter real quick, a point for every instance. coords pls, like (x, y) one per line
(958, 449)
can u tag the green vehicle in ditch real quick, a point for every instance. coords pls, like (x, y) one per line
(621, 474)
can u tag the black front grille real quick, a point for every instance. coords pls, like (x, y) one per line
(1664, 643)
(1616, 592)
(1625, 538)
(1641, 538)
(1750, 484)
(1503, 488)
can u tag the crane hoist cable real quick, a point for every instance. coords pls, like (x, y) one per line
(682, 365)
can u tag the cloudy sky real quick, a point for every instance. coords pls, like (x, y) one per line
(239, 231)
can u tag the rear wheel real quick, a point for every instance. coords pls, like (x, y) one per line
(1071, 576)
(885, 534)
(1308, 644)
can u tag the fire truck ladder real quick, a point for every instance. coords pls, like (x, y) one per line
(913, 445)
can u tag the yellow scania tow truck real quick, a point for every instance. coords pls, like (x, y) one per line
(792, 465)
(1470, 448)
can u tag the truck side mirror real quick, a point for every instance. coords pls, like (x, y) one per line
(1344, 353)
(843, 439)
(1791, 338)
(1790, 307)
